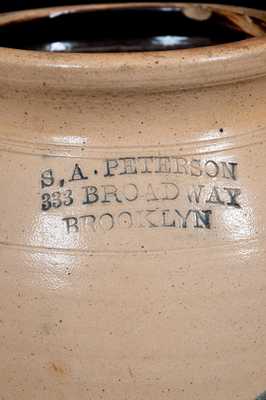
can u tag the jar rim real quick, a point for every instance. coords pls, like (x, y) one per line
(182, 68)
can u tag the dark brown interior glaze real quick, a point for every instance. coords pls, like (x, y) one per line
(119, 29)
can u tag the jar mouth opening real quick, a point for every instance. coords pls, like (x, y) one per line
(128, 28)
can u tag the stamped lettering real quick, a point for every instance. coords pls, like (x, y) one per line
(151, 192)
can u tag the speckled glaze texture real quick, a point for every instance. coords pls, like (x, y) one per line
(132, 224)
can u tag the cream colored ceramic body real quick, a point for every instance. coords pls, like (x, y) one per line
(132, 224)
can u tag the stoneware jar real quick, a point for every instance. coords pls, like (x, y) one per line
(132, 210)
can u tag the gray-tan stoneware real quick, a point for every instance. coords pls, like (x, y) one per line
(132, 210)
